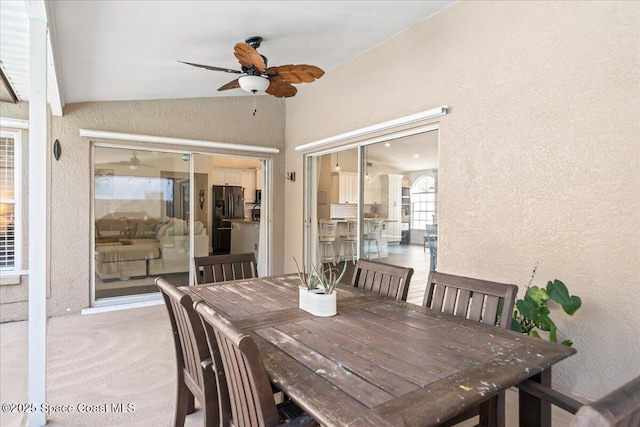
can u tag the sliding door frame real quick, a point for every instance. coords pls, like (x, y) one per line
(310, 182)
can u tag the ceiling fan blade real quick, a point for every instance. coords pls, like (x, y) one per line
(301, 73)
(249, 57)
(211, 67)
(233, 84)
(280, 89)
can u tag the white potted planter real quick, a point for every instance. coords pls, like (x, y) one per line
(317, 294)
(316, 302)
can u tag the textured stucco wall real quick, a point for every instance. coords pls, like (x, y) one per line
(214, 119)
(539, 154)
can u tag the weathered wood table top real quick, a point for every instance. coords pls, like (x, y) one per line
(378, 362)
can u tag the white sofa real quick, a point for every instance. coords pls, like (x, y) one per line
(127, 247)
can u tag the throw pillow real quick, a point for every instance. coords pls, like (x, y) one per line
(162, 231)
(177, 230)
(145, 230)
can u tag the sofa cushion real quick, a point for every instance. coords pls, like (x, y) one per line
(126, 253)
(197, 227)
(109, 227)
(145, 229)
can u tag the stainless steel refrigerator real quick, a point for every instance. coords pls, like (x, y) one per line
(228, 204)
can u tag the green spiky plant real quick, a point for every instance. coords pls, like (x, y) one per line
(326, 277)
(532, 312)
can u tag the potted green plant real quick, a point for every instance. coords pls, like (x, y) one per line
(532, 312)
(317, 292)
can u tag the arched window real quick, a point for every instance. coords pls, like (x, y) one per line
(423, 202)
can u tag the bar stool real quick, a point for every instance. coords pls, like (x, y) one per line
(326, 238)
(373, 233)
(349, 240)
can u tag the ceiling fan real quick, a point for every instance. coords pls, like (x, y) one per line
(256, 77)
(134, 163)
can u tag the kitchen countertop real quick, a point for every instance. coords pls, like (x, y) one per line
(366, 219)
(242, 221)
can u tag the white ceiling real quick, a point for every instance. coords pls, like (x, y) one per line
(125, 50)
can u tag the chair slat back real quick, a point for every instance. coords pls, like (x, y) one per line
(252, 402)
(620, 408)
(188, 334)
(198, 368)
(221, 268)
(373, 228)
(473, 299)
(384, 279)
(328, 230)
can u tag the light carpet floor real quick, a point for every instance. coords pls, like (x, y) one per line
(117, 357)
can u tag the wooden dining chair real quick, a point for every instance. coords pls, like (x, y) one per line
(198, 372)
(620, 408)
(384, 279)
(481, 301)
(250, 394)
(220, 268)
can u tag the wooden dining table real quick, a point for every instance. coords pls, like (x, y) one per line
(381, 362)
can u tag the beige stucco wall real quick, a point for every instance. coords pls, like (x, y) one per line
(227, 120)
(539, 155)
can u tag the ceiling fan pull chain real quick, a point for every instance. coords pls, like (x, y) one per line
(255, 110)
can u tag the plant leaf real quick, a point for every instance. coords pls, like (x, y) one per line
(535, 333)
(527, 308)
(574, 304)
(568, 343)
(558, 292)
(537, 294)
(545, 323)
(553, 335)
(516, 326)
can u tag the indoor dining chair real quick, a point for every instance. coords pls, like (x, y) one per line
(384, 279)
(221, 268)
(249, 390)
(481, 301)
(326, 238)
(198, 372)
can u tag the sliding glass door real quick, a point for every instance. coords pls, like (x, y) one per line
(383, 197)
(141, 209)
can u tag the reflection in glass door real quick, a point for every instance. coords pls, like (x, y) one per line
(141, 212)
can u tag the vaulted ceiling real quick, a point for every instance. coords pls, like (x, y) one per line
(117, 50)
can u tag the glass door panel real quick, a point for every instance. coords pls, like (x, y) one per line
(399, 185)
(141, 211)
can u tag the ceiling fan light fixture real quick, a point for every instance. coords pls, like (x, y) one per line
(253, 84)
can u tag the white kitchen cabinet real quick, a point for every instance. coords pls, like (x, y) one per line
(248, 182)
(259, 179)
(375, 189)
(344, 187)
(245, 237)
(223, 176)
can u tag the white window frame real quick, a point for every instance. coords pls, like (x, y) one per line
(17, 202)
(417, 198)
